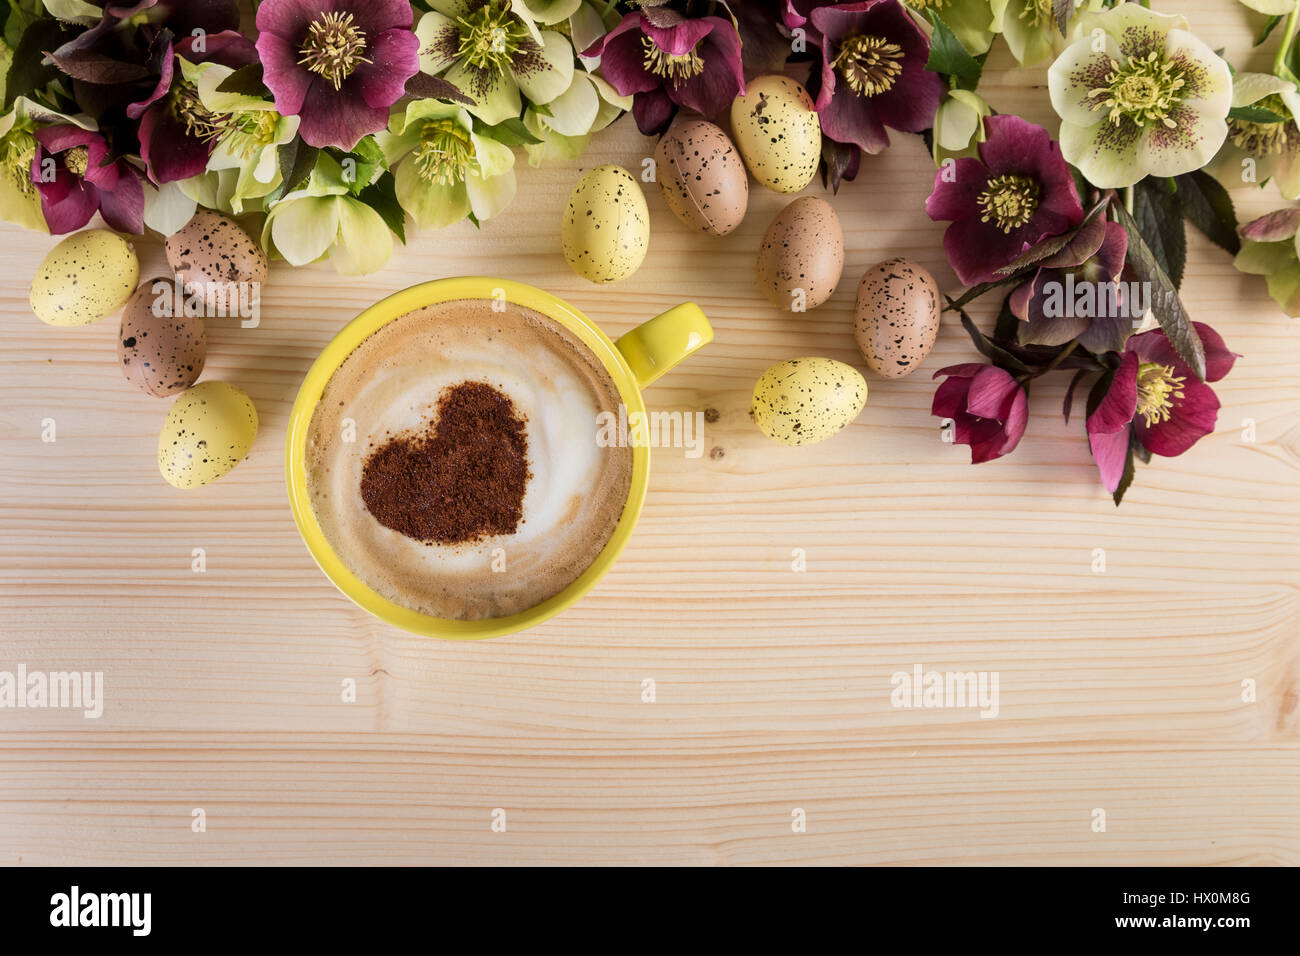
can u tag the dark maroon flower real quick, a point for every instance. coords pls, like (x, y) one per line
(988, 407)
(664, 60)
(177, 133)
(76, 179)
(338, 65)
(1076, 293)
(1157, 398)
(873, 74)
(1018, 193)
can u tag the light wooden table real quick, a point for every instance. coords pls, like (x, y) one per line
(1120, 691)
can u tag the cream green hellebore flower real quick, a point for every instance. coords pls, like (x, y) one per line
(959, 125)
(249, 133)
(971, 21)
(493, 51)
(587, 106)
(548, 12)
(20, 202)
(443, 169)
(1138, 94)
(1261, 149)
(1029, 27)
(322, 219)
(587, 24)
(1271, 248)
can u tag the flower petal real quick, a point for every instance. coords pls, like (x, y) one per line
(543, 85)
(1192, 418)
(1074, 75)
(365, 242)
(487, 197)
(1106, 154)
(303, 230)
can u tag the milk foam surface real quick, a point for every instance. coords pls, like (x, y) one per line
(390, 386)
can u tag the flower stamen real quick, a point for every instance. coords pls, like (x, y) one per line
(1009, 201)
(16, 160)
(1157, 387)
(1145, 90)
(77, 161)
(444, 153)
(1036, 13)
(1261, 139)
(674, 67)
(334, 47)
(869, 64)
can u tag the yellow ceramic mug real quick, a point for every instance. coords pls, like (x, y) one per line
(636, 360)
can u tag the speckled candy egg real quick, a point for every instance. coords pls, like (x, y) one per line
(208, 431)
(806, 400)
(802, 255)
(162, 350)
(212, 252)
(778, 132)
(606, 228)
(87, 276)
(897, 317)
(702, 177)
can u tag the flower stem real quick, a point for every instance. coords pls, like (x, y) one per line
(1288, 34)
(1128, 199)
(1061, 356)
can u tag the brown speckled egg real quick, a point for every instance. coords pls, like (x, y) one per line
(897, 317)
(702, 177)
(802, 255)
(211, 252)
(161, 353)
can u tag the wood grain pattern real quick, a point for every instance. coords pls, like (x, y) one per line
(1119, 690)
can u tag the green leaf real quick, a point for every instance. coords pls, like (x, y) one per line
(949, 57)
(246, 81)
(28, 72)
(988, 348)
(368, 158)
(1272, 22)
(297, 160)
(1126, 478)
(1255, 114)
(1159, 215)
(512, 132)
(381, 196)
(1165, 304)
(1209, 207)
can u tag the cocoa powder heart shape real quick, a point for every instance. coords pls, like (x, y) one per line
(461, 478)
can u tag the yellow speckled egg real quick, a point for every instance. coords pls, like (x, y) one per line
(87, 276)
(606, 228)
(778, 132)
(806, 400)
(208, 431)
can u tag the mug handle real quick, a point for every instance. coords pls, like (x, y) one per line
(654, 347)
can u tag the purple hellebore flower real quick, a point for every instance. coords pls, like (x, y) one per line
(177, 132)
(1075, 294)
(1159, 399)
(873, 74)
(988, 407)
(1018, 193)
(84, 182)
(664, 60)
(337, 64)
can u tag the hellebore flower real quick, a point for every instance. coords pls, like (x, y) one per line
(76, 179)
(959, 126)
(873, 72)
(587, 106)
(988, 407)
(1156, 396)
(664, 60)
(1029, 27)
(1266, 147)
(1076, 293)
(1271, 248)
(443, 169)
(176, 129)
(20, 200)
(324, 218)
(1018, 193)
(340, 69)
(1142, 97)
(492, 51)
